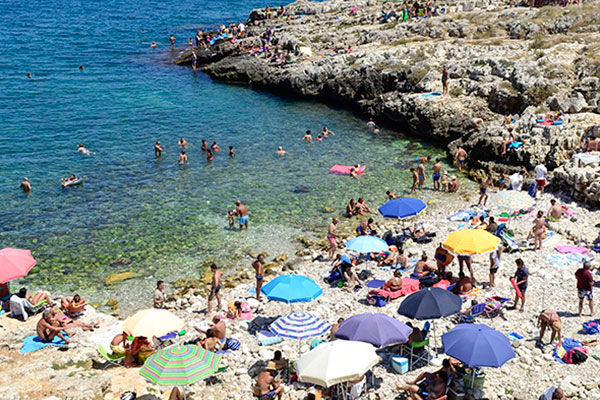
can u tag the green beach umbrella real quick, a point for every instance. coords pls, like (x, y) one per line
(180, 365)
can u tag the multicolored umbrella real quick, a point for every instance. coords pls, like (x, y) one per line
(15, 263)
(511, 200)
(367, 244)
(180, 365)
(292, 289)
(152, 322)
(471, 241)
(299, 326)
(402, 208)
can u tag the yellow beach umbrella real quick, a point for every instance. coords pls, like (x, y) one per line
(471, 241)
(152, 322)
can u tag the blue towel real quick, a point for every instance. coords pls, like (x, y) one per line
(34, 343)
(2, 311)
(428, 95)
(515, 145)
(567, 344)
(375, 283)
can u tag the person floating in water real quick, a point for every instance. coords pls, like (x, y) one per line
(25, 185)
(69, 180)
(280, 151)
(83, 150)
(182, 143)
(158, 148)
(29, 75)
(231, 152)
(183, 157)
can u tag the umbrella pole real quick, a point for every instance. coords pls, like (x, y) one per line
(183, 390)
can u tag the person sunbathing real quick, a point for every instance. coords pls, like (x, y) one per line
(422, 269)
(417, 335)
(447, 367)
(63, 320)
(435, 388)
(392, 257)
(46, 329)
(334, 328)
(395, 283)
(119, 346)
(511, 139)
(350, 275)
(267, 387)
(464, 284)
(73, 306)
(36, 298)
(211, 343)
(280, 362)
(362, 208)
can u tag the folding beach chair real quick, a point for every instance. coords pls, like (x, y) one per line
(417, 351)
(109, 358)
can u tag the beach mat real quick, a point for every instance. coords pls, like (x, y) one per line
(375, 283)
(34, 343)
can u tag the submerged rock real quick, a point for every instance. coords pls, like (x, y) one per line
(120, 277)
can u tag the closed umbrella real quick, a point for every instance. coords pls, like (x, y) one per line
(292, 289)
(402, 208)
(511, 200)
(367, 244)
(15, 263)
(180, 365)
(152, 322)
(471, 241)
(336, 362)
(378, 329)
(477, 345)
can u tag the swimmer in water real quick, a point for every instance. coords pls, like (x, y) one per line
(144, 31)
(172, 39)
(153, 45)
(25, 185)
(29, 75)
(182, 143)
(204, 145)
(68, 180)
(209, 155)
(307, 137)
(183, 157)
(214, 146)
(83, 150)
(326, 132)
(158, 148)
(280, 151)
(231, 152)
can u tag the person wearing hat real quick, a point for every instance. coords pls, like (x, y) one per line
(267, 387)
(25, 185)
(453, 185)
(550, 318)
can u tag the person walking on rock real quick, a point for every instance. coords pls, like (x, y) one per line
(445, 78)
(585, 283)
(332, 236)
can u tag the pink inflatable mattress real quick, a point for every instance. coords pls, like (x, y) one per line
(345, 169)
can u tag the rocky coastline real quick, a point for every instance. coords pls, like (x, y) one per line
(516, 62)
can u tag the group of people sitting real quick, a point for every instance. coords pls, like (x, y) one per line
(433, 385)
(359, 207)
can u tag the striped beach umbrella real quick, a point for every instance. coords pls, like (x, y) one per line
(180, 365)
(511, 200)
(299, 326)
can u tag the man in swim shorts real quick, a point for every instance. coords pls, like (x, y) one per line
(585, 285)
(267, 387)
(242, 212)
(46, 330)
(332, 236)
(555, 212)
(260, 273)
(460, 156)
(215, 288)
(540, 178)
(483, 187)
(421, 175)
(25, 185)
(437, 168)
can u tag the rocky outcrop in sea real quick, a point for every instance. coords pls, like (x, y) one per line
(503, 62)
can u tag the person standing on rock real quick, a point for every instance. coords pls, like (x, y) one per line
(460, 157)
(260, 273)
(172, 39)
(437, 169)
(242, 212)
(445, 78)
(483, 195)
(421, 174)
(550, 319)
(538, 231)
(159, 295)
(520, 279)
(332, 237)
(585, 284)
(540, 178)
(215, 288)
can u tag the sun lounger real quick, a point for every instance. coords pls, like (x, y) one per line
(493, 306)
(109, 358)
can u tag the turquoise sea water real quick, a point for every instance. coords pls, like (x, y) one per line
(136, 213)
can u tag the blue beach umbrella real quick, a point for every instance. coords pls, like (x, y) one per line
(367, 244)
(477, 345)
(292, 289)
(402, 208)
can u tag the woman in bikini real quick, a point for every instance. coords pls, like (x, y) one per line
(539, 230)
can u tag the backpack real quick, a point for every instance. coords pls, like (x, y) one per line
(591, 327)
(376, 300)
(334, 276)
(576, 355)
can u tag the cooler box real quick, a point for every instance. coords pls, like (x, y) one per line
(400, 364)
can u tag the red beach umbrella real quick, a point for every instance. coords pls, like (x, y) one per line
(15, 263)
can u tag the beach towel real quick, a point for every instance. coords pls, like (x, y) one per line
(562, 348)
(514, 336)
(572, 249)
(564, 260)
(408, 286)
(345, 169)
(588, 158)
(462, 215)
(105, 338)
(375, 283)
(474, 292)
(34, 343)
(267, 338)
(429, 95)
(443, 284)
(515, 145)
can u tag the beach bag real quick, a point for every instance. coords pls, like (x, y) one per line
(232, 344)
(591, 327)
(376, 300)
(576, 355)
(334, 276)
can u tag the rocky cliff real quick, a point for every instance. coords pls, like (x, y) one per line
(502, 61)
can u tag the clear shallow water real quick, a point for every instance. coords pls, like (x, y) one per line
(136, 213)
